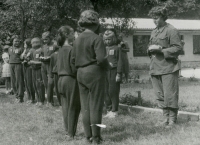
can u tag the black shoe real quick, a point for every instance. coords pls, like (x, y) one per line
(21, 101)
(89, 140)
(68, 137)
(97, 140)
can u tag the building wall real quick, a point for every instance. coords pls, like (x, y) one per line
(188, 59)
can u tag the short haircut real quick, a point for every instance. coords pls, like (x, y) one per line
(35, 39)
(159, 11)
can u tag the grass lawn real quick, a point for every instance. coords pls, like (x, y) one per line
(22, 124)
(189, 94)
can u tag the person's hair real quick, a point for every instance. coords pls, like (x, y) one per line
(16, 37)
(89, 18)
(28, 42)
(35, 39)
(62, 34)
(159, 11)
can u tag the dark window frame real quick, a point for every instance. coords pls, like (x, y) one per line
(196, 44)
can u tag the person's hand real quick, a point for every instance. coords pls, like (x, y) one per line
(30, 62)
(118, 77)
(155, 48)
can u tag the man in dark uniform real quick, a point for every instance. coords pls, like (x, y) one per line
(164, 49)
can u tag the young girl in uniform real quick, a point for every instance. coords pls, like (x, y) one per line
(53, 75)
(16, 69)
(67, 83)
(89, 54)
(124, 50)
(28, 72)
(6, 70)
(35, 63)
(114, 75)
(47, 50)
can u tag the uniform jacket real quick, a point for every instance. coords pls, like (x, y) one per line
(166, 61)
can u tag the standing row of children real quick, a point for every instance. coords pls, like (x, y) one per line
(85, 75)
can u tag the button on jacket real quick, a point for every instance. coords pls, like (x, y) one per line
(166, 61)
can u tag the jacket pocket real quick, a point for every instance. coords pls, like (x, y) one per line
(163, 41)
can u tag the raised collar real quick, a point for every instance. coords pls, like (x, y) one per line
(160, 30)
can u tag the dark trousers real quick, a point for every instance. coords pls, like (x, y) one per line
(113, 90)
(45, 71)
(53, 83)
(17, 80)
(29, 83)
(70, 100)
(91, 81)
(166, 89)
(38, 85)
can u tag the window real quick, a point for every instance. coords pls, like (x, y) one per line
(196, 44)
(182, 40)
(140, 45)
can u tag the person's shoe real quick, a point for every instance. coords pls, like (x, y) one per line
(33, 102)
(113, 114)
(172, 117)
(36, 104)
(40, 104)
(89, 140)
(7, 92)
(21, 101)
(69, 138)
(97, 140)
(108, 114)
(165, 121)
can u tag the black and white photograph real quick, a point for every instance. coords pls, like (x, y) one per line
(110, 72)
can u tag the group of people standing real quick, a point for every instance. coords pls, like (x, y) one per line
(85, 73)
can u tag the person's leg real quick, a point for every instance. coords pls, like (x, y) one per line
(114, 90)
(34, 72)
(30, 86)
(84, 98)
(50, 91)
(157, 83)
(19, 81)
(9, 83)
(44, 75)
(72, 92)
(64, 103)
(40, 87)
(6, 84)
(96, 106)
(171, 95)
(56, 88)
(13, 79)
(108, 102)
(26, 77)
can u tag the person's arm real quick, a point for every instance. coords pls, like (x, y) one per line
(23, 54)
(100, 51)
(72, 59)
(175, 45)
(35, 62)
(119, 65)
(51, 66)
